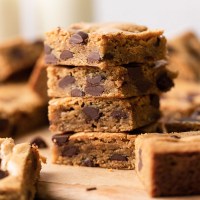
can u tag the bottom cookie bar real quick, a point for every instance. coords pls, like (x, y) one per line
(20, 168)
(169, 164)
(106, 150)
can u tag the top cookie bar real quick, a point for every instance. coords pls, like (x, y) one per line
(102, 45)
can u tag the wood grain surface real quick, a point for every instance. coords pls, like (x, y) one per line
(71, 183)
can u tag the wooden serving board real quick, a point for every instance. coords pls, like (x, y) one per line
(71, 183)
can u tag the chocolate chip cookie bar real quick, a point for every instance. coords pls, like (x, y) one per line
(96, 114)
(21, 110)
(168, 164)
(17, 55)
(120, 82)
(19, 171)
(102, 45)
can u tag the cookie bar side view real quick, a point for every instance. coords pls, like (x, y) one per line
(17, 55)
(113, 115)
(120, 81)
(20, 169)
(168, 164)
(102, 45)
(104, 150)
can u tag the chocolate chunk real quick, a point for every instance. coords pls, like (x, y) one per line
(70, 151)
(136, 74)
(61, 139)
(164, 82)
(3, 174)
(118, 157)
(66, 54)
(93, 57)
(94, 80)
(91, 188)
(175, 136)
(140, 164)
(67, 80)
(39, 142)
(47, 49)
(94, 90)
(119, 114)
(77, 93)
(4, 124)
(91, 112)
(78, 38)
(50, 59)
(155, 101)
(88, 162)
(17, 53)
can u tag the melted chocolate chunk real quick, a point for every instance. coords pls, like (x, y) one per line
(66, 54)
(47, 49)
(67, 80)
(50, 59)
(17, 53)
(136, 74)
(70, 151)
(88, 162)
(93, 57)
(164, 82)
(119, 157)
(119, 114)
(3, 174)
(155, 101)
(78, 38)
(140, 164)
(77, 93)
(39, 142)
(94, 80)
(91, 112)
(94, 90)
(61, 139)
(4, 124)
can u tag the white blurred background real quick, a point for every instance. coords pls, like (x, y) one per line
(31, 18)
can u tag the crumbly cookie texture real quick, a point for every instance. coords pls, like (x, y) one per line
(96, 114)
(17, 55)
(166, 160)
(103, 45)
(120, 82)
(20, 169)
(21, 109)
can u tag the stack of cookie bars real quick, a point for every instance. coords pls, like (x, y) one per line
(104, 81)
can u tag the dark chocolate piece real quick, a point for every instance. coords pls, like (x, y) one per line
(118, 157)
(77, 93)
(67, 80)
(93, 57)
(164, 82)
(47, 49)
(91, 112)
(3, 174)
(66, 54)
(88, 162)
(70, 151)
(119, 114)
(39, 142)
(94, 90)
(50, 59)
(60, 139)
(94, 80)
(78, 38)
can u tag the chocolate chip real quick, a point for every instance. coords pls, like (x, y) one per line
(50, 59)
(93, 57)
(39, 142)
(136, 74)
(67, 80)
(175, 136)
(140, 164)
(47, 49)
(94, 90)
(17, 53)
(155, 101)
(4, 124)
(94, 80)
(77, 93)
(78, 38)
(88, 162)
(91, 112)
(119, 114)
(91, 188)
(66, 54)
(70, 151)
(164, 82)
(60, 139)
(118, 157)
(3, 174)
